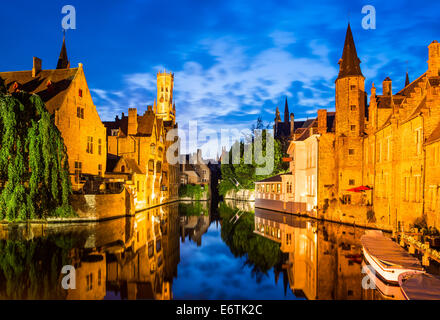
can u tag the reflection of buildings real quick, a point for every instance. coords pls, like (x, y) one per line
(126, 258)
(194, 227)
(246, 206)
(320, 258)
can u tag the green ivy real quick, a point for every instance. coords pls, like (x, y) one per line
(33, 161)
(195, 192)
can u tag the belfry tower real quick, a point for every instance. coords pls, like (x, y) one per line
(350, 118)
(165, 109)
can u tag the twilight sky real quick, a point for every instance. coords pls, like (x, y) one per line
(232, 60)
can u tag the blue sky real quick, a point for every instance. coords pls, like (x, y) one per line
(233, 60)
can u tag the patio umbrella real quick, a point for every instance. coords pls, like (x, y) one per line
(359, 189)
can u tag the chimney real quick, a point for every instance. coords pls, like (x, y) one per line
(434, 59)
(132, 121)
(322, 121)
(292, 124)
(36, 68)
(386, 87)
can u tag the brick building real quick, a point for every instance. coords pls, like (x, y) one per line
(137, 149)
(66, 94)
(377, 163)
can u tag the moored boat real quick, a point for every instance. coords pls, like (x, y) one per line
(387, 258)
(387, 290)
(419, 286)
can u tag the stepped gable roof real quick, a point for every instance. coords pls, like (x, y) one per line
(50, 85)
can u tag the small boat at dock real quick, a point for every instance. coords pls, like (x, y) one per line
(388, 291)
(420, 286)
(387, 258)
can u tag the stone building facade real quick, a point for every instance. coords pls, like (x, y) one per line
(377, 164)
(67, 97)
(138, 145)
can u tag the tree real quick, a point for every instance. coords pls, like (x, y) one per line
(34, 172)
(243, 175)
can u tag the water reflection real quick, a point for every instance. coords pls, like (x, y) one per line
(187, 251)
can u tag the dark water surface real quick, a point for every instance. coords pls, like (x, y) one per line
(186, 251)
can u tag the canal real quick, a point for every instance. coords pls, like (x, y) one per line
(187, 251)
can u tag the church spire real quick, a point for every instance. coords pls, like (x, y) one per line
(407, 79)
(63, 61)
(286, 112)
(349, 64)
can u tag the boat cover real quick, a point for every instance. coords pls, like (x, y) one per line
(420, 286)
(388, 252)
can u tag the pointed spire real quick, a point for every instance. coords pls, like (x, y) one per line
(63, 61)
(349, 65)
(407, 82)
(286, 112)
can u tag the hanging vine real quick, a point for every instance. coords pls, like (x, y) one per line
(34, 171)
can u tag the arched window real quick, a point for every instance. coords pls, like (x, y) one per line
(152, 148)
(158, 167)
(160, 151)
(151, 166)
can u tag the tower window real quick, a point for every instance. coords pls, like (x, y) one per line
(353, 87)
(80, 93)
(353, 107)
(351, 152)
(353, 127)
(351, 182)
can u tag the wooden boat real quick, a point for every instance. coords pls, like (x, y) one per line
(419, 286)
(387, 258)
(387, 290)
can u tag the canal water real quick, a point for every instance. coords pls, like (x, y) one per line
(187, 251)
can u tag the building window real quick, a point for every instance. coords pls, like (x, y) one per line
(351, 152)
(353, 127)
(353, 87)
(353, 107)
(80, 93)
(152, 148)
(267, 187)
(99, 146)
(78, 170)
(160, 151)
(158, 167)
(100, 169)
(80, 112)
(89, 145)
(351, 182)
(89, 281)
(346, 199)
(151, 166)
(418, 137)
(278, 187)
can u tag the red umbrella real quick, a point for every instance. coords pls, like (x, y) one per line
(359, 189)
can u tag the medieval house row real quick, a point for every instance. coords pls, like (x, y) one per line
(371, 162)
(103, 157)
